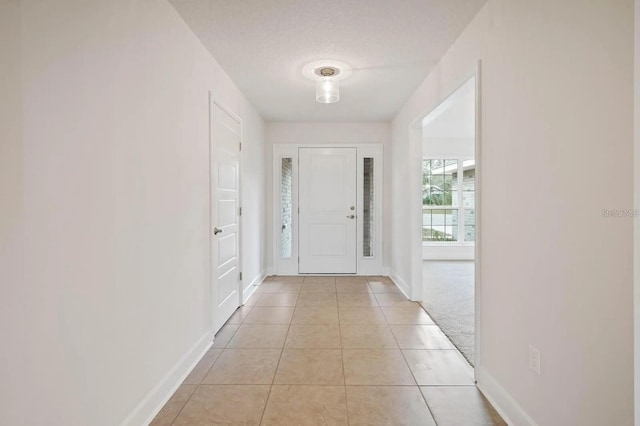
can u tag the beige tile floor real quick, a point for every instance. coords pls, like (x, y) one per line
(329, 351)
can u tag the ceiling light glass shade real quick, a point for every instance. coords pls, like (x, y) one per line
(327, 90)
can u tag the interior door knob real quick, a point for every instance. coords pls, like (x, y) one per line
(216, 231)
(351, 216)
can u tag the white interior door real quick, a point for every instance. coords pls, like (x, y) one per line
(225, 215)
(328, 213)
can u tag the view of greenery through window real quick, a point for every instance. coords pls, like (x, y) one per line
(444, 206)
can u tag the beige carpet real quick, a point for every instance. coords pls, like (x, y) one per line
(449, 300)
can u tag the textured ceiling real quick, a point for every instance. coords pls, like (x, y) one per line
(390, 44)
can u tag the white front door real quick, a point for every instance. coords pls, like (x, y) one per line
(328, 221)
(225, 204)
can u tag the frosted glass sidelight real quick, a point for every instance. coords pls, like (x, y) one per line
(286, 217)
(368, 208)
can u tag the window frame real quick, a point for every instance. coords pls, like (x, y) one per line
(460, 207)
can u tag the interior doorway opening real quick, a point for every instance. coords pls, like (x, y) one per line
(449, 205)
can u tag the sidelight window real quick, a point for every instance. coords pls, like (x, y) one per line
(286, 204)
(368, 208)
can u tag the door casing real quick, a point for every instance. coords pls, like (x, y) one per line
(371, 265)
(416, 289)
(235, 300)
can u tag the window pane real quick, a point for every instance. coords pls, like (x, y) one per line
(427, 226)
(286, 190)
(469, 200)
(439, 182)
(451, 225)
(440, 187)
(439, 225)
(368, 210)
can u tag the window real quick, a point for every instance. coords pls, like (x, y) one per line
(286, 186)
(448, 200)
(368, 208)
(469, 199)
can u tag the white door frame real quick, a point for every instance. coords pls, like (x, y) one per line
(371, 265)
(213, 103)
(416, 286)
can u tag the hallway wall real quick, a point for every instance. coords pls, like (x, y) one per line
(636, 191)
(114, 305)
(13, 293)
(330, 134)
(556, 150)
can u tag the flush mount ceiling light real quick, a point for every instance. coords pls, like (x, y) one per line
(327, 75)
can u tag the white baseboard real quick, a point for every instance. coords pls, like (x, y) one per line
(401, 284)
(251, 288)
(448, 252)
(505, 405)
(386, 271)
(153, 402)
(259, 279)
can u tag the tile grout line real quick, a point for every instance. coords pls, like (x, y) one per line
(208, 370)
(412, 374)
(226, 347)
(346, 395)
(290, 323)
(341, 351)
(330, 385)
(275, 373)
(424, 398)
(344, 376)
(454, 347)
(184, 405)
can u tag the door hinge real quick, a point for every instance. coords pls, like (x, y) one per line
(240, 146)
(239, 211)
(240, 276)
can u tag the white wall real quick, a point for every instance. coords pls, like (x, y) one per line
(636, 191)
(254, 185)
(114, 304)
(13, 294)
(556, 106)
(330, 134)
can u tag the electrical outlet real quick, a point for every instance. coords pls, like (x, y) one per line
(534, 359)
